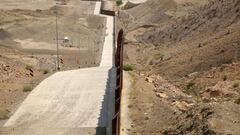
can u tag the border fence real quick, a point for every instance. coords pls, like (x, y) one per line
(119, 83)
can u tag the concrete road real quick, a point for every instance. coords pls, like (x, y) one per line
(66, 100)
(76, 102)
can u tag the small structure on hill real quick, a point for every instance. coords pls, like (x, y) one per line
(67, 42)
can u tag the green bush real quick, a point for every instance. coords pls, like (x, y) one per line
(119, 2)
(128, 67)
(27, 88)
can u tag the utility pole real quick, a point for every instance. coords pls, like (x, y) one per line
(94, 52)
(58, 68)
(79, 46)
(89, 52)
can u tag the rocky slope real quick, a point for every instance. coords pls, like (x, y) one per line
(191, 61)
(197, 42)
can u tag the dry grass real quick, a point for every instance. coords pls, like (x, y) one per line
(237, 101)
(3, 113)
(159, 56)
(128, 67)
(27, 88)
(236, 83)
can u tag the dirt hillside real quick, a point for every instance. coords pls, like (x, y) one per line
(202, 40)
(191, 62)
(154, 12)
(28, 41)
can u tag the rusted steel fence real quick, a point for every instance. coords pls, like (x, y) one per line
(119, 83)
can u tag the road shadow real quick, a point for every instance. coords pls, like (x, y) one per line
(107, 108)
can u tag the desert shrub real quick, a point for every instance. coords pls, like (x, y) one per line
(119, 2)
(237, 101)
(224, 78)
(190, 85)
(193, 90)
(128, 67)
(159, 56)
(3, 113)
(27, 88)
(130, 106)
(28, 67)
(236, 84)
(46, 71)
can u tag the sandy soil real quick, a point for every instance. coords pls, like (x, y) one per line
(26, 4)
(27, 38)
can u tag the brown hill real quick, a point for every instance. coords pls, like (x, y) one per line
(154, 12)
(204, 39)
(190, 64)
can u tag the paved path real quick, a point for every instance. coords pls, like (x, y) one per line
(76, 102)
(107, 54)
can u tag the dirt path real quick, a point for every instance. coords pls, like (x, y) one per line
(126, 121)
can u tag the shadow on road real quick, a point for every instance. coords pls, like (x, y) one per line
(105, 119)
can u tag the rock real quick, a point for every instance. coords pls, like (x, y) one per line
(5, 69)
(182, 105)
(210, 76)
(155, 85)
(210, 93)
(237, 101)
(155, 89)
(215, 93)
(161, 95)
(206, 100)
(193, 74)
(150, 80)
